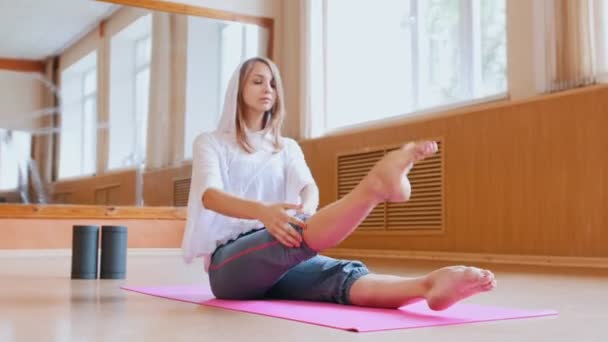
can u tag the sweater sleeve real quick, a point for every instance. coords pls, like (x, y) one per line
(298, 172)
(206, 173)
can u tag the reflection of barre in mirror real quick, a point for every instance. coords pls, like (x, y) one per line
(116, 102)
(17, 168)
(18, 171)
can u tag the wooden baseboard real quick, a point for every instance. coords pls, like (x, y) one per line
(536, 260)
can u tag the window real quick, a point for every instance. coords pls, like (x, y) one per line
(601, 37)
(14, 156)
(129, 94)
(394, 57)
(78, 137)
(215, 49)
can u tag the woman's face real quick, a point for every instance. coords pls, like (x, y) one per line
(259, 91)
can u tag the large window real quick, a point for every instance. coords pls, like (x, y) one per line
(129, 94)
(14, 156)
(215, 48)
(78, 137)
(393, 57)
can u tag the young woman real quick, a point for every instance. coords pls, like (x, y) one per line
(252, 212)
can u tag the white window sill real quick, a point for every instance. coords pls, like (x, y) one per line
(74, 178)
(424, 114)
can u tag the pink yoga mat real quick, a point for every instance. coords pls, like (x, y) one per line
(342, 316)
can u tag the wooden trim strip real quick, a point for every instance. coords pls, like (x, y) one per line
(14, 211)
(513, 259)
(23, 65)
(67, 252)
(173, 7)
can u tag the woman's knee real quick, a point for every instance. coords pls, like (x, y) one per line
(233, 289)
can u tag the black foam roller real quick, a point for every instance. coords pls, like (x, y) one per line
(85, 242)
(113, 252)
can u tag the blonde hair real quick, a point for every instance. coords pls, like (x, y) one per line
(272, 118)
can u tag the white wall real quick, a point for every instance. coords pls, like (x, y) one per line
(20, 95)
(521, 51)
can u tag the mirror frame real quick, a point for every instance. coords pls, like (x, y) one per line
(177, 8)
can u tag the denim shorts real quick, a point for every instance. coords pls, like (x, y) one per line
(255, 265)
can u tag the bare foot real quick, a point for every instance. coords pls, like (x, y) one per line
(388, 178)
(449, 285)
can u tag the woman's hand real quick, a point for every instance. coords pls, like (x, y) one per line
(276, 220)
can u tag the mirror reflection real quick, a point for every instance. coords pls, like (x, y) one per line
(105, 111)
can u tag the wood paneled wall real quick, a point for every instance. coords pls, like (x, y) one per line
(526, 178)
(11, 196)
(158, 185)
(520, 178)
(117, 188)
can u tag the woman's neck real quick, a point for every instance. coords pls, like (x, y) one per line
(255, 121)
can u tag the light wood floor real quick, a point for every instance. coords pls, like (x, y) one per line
(39, 302)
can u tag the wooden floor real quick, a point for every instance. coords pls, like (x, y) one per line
(38, 302)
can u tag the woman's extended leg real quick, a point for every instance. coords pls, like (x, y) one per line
(441, 288)
(386, 181)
